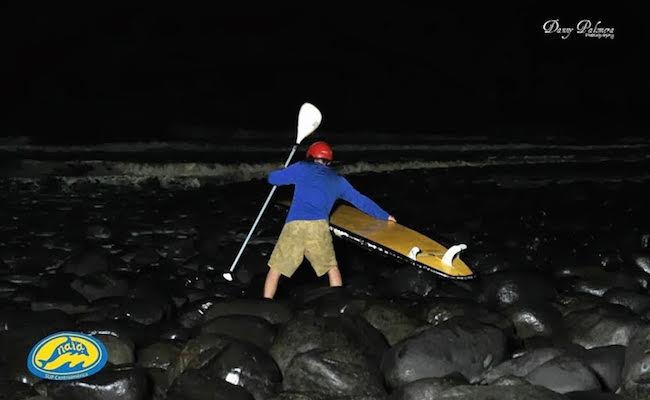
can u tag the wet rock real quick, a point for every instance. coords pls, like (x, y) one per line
(120, 350)
(193, 314)
(601, 283)
(192, 385)
(409, 282)
(510, 380)
(535, 320)
(607, 362)
(176, 333)
(273, 311)
(248, 366)
(594, 395)
(391, 320)
(158, 355)
(427, 388)
(121, 328)
(90, 262)
(642, 261)
(196, 353)
(97, 286)
(522, 365)
(11, 390)
(333, 373)
(457, 345)
(108, 384)
(564, 374)
(516, 392)
(569, 302)
(344, 334)
(634, 301)
(143, 312)
(601, 326)
(98, 232)
(503, 289)
(246, 328)
(636, 370)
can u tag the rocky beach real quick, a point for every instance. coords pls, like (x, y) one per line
(560, 307)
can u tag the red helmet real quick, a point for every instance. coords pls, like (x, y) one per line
(320, 150)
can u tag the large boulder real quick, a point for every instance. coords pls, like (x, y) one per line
(564, 374)
(607, 362)
(247, 328)
(124, 383)
(458, 345)
(522, 365)
(514, 392)
(332, 372)
(192, 385)
(503, 289)
(245, 365)
(636, 371)
(343, 334)
(427, 388)
(391, 320)
(605, 325)
(635, 301)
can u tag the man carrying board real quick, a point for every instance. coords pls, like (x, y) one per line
(306, 230)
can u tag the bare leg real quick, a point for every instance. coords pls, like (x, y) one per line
(271, 283)
(335, 277)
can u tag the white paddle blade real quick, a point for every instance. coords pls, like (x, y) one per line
(309, 118)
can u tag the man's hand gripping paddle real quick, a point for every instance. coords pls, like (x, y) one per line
(309, 118)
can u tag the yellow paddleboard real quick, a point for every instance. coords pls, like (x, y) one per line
(398, 241)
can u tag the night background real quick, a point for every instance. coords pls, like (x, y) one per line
(134, 157)
(92, 73)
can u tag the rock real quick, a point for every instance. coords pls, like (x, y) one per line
(248, 366)
(503, 289)
(391, 320)
(307, 332)
(607, 362)
(120, 350)
(409, 282)
(522, 365)
(564, 374)
(601, 326)
(158, 355)
(108, 384)
(333, 373)
(143, 312)
(516, 392)
(246, 328)
(192, 385)
(634, 301)
(457, 345)
(599, 284)
(90, 262)
(427, 388)
(11, 390)
(510, 380)
(535, 320)
(272, 311)
(196, 353)
(97, 286)
(192, 315)
(636, 370)
(569, 302)
(594, 395)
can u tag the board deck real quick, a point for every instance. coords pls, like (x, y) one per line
(395, 240)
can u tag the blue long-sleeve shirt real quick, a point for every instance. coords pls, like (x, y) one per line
(317, 187)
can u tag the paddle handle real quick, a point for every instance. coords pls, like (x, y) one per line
(259, 216)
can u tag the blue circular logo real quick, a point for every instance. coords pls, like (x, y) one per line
(67, 356)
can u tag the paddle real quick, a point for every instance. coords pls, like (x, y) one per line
(309, 118)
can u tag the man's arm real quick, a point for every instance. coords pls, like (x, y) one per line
(285, 176)
(363, 203)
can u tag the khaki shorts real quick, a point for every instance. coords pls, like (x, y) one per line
(299, 239)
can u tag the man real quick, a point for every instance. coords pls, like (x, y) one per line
(306, 230)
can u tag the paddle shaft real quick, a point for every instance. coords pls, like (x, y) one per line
(259, 216)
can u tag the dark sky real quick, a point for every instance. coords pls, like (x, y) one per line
(104, 73)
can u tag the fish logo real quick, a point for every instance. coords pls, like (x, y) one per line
(67, 356)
